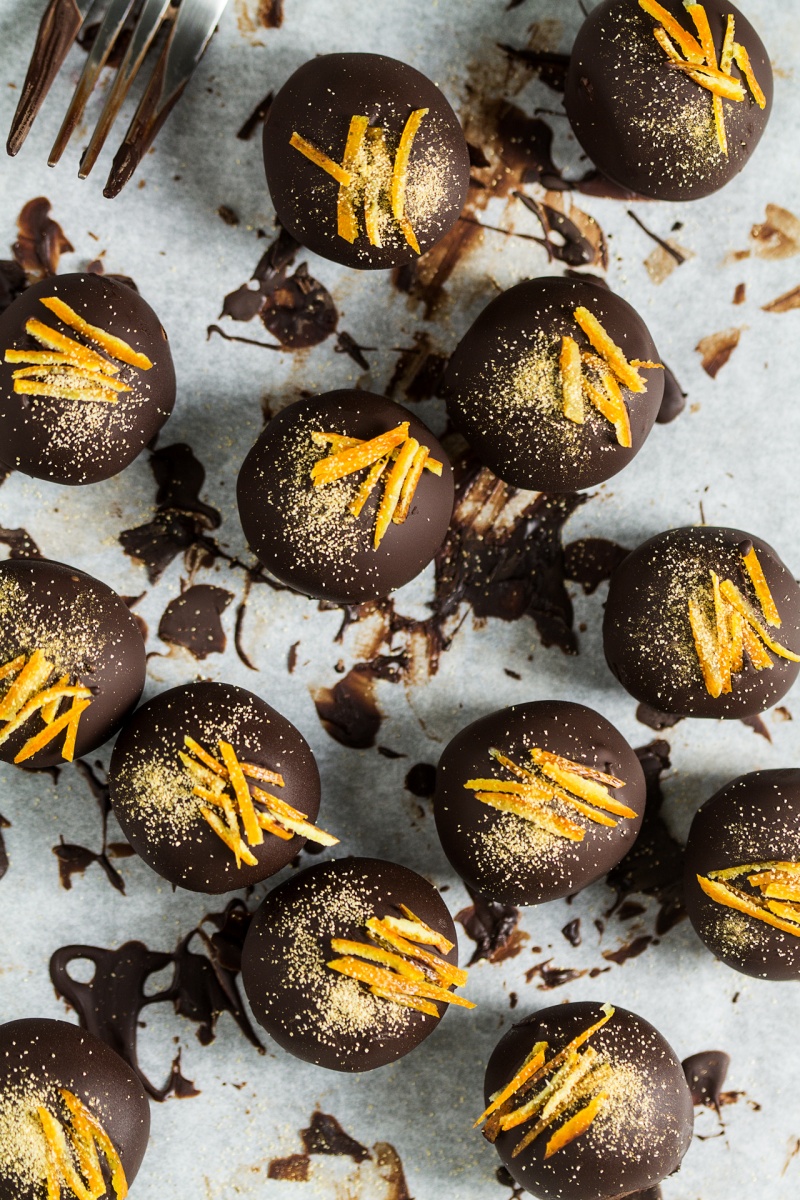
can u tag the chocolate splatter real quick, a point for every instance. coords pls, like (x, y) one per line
(631, 949)
(674, 400)
(493, 928)
(794, 1150)
(41, 241)
(740, 294)
(202, 987)
(502, 1175)
(668, 247)
(390, 1169)
(782, 713)
(550, 67)
(654, 864)
(552, 977)
(20, 543)
(421, 780)
(296, 1168)
(778, 235)
(705, 1074)
(74, 859)
(572, 932)
(785, 303)
(419, 369)
(291, 658)
(349, 711)
(270, 13)
(591, 561)
(716, 349)
(347, 344)
(228, 215)
(326, 1136)
(4, 824)
(193, 620)
(581, 241)
(653, 718)
(257, 117)
(181, 520)
(757, 725)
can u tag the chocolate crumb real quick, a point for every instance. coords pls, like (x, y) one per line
(228, 215)
(654, 719)
(291, 658)
(740, 294)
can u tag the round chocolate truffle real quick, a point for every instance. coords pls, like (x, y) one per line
(704, 622)
(625, 1119)
(366, 161)
(743, 874)
(536, 801)
(639, 101)
(58, 1086)
(339, 520)
(72, 663)
(544, 388)
(365, 916)
(86, 379)
(182, 803)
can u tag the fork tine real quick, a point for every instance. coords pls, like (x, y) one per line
(192, 31)
(107, 35)
(147, 27)
(59, 27)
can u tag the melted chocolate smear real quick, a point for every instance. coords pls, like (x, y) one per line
(573, 247)
(270, 13)
(244, 341)
(238, 629)
(631, 949)
(4, 824)
(679, 258)
(757, 725)
(390, 1169)
(203, 986)
(784, 303)
(653, 718)
(387, 752)
(296, 1168)
(74, 859)
(326, 1136)
(419, 369)
(181, 519)
(41, 241)
(654, 864)
(349, 711)
(592, 561)
(194, 620)
(551, 68)
(421, 780)
(13, 282)
(705, 1074)
(492, 927)
(257, 118)
(674, 401)
(346, 344)
(97, 268)
(552, 977)
(572, 932)
(20, 543)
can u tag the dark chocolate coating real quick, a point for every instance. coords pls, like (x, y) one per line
(648, 126)
(306, 1007)
(645, 1143)
(318, 102)
(309, 541)
(526, 439)
(753, 819)
(76, 441)
(479, 840)
(37, 1057)
(90, 634)
(176, 841)
(646, 632)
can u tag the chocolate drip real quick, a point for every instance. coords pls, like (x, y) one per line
(349, 711)
(705, 1074)
(41, 241)
(326, 1136)
(421, 780)
(592, 561)
(491, 926)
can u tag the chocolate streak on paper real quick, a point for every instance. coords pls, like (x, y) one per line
(74, 859)
(257, 118)
(202, 987)
(349, 711)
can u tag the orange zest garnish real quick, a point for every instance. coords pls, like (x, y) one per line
(572, 380)
(576, 1125)
(77, 1139)
(412, 478)
(530, 1066)
(346, 462)
(393, 488)
(368, 486)
(400, 176)
(691, 48)
(29, 694)
(767, 907)
(761, 588)
(227, 784)
(115, 346)
(607, 348)
(742, 60)
(320, 159)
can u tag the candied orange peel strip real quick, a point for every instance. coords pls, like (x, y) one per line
(446, 971)
(689, 44)
(12, 667)
(285, 815)
(399, 182)
(106, 1146)
(572, 380)
(410, 483)
(68, 721)
(576, 1125)
(423, 1006)
(577, 768)
(607, 348)
(723, 636)
(233, 843)
(733, 897)
(355, 458)
(742, 60)
(115, 346)
(338, 441)
(364, 972)
(410, 926)
(738, 602)
(368, 486)
(262, 774)
(761, 588)
(393, 489)
(79, 1138)
(705, 647)
(320, 159)
(92, 380)
(31, 678)
(554, 823)
(78, 354)
(378, 954)
(241, 791)
(534, 1061)
(346, 219)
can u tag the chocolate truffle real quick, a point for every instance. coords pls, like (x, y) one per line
(667, 101)
(536, 801)
(345, 497)
(556, 385)
(72, 1114)
(72, 663)
(704, 622)
(350, 964)
(623, 1119)
(366, 162)
(213, 788)
(743, 874)
(86, 380)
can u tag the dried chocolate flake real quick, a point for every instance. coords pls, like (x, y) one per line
(716, 350)
(326, 1136)
(740, 295)
(631, 949)
(202, 987)
(572, 932)
(552, 977)
(296, 1168)
(421, 780)
(346, 344)
(20, 543)
(419, 369)
(387, 752)
(194, 620)
(74, 860)
(299, 311)
(592, 561)
(270, 13)
(291, 657)
(785, 303)
(491, 926)
(349, 711)
(41, 241)
(666, 246)
(228, 215)
(705, 1074)
(757, 725)
(390, 1169)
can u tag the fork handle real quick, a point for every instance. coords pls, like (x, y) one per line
(58, 30)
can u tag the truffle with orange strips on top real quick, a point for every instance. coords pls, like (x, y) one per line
(351, 964)
(86, 379)
(345, 496)
(704, 622)
(556, 385)
(742, 883)
(72, 663)
(214, 788)
(74, 1118)
(668, 99)
(537, 801)
(366, 161)
(587, 1102)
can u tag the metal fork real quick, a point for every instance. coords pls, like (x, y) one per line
(190, 25)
